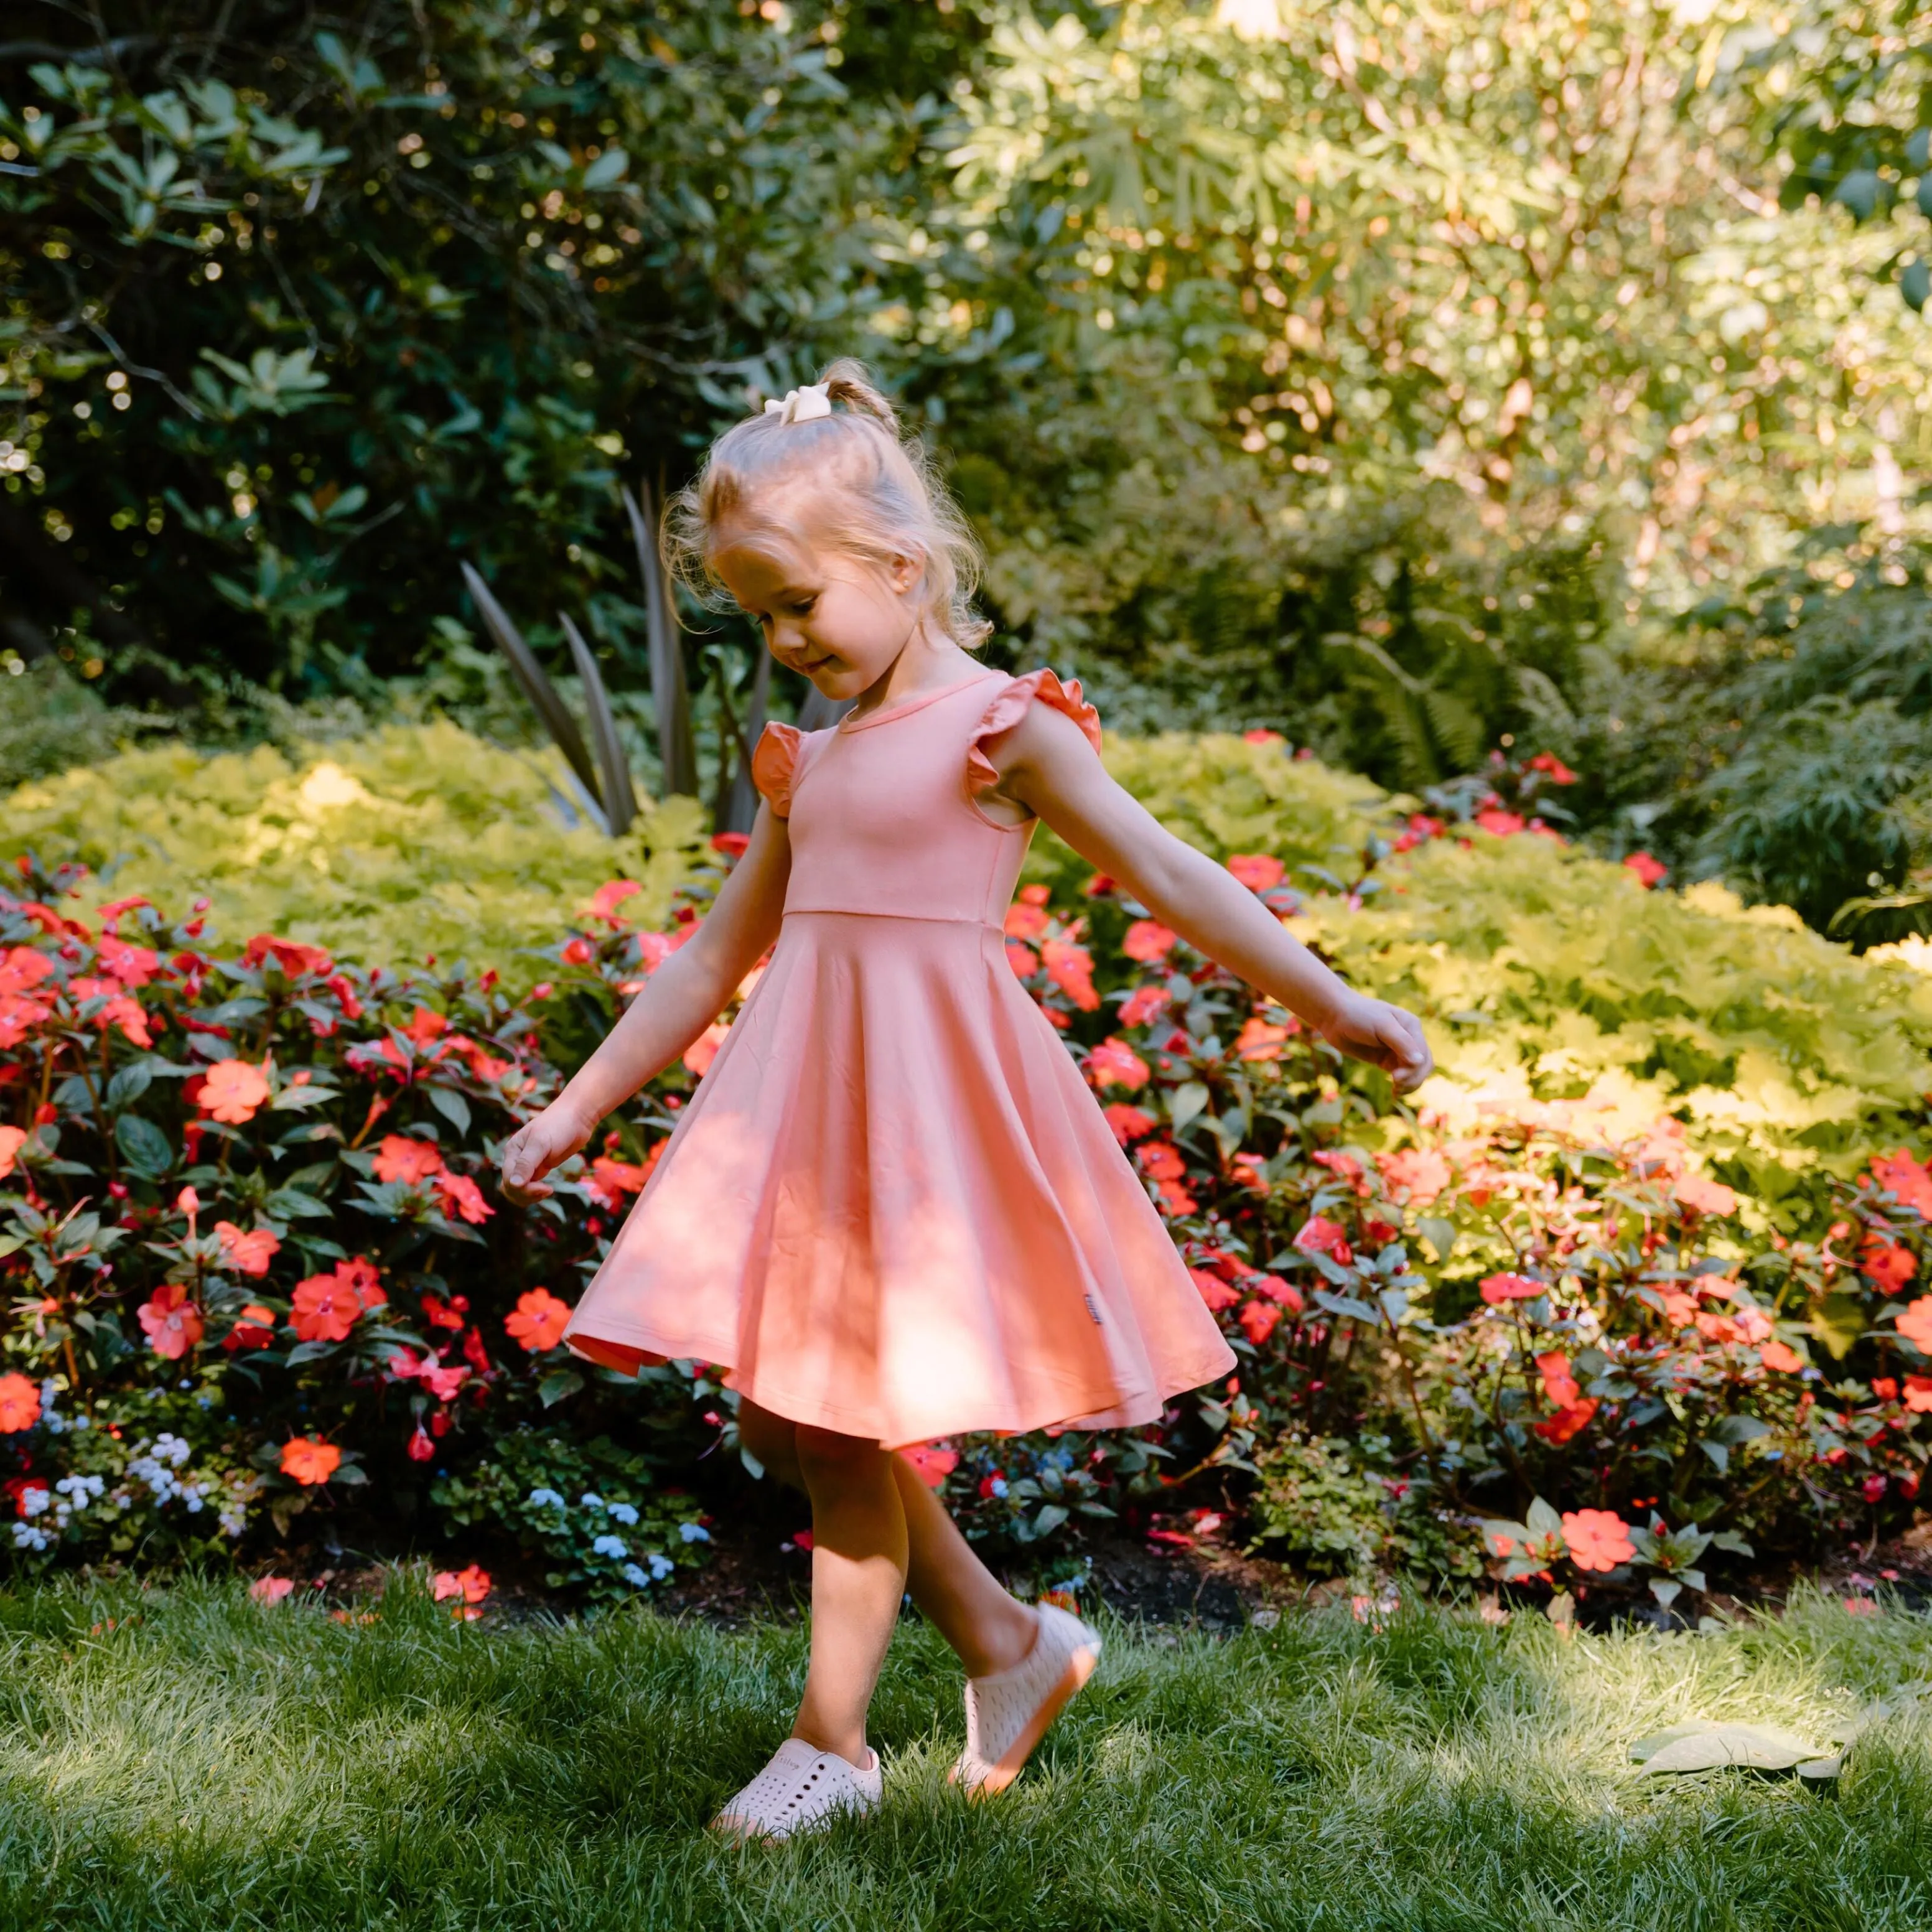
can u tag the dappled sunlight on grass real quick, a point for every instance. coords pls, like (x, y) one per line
(210, 1763)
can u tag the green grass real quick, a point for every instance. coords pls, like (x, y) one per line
(212, 1764)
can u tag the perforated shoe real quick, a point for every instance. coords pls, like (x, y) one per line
(1008, 1713)
(802, 1788)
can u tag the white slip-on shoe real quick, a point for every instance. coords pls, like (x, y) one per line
(800, 1789)
(1009, 1712)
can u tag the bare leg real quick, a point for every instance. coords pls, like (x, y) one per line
(985, 1626)
(858, 1577)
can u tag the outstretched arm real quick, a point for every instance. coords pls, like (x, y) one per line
(679, 1001)
(1046, 763)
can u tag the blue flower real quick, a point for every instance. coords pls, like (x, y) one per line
(623, 1512)
(545, 1499)
(590, 1499)
(693, 1532)
(635, 1577)
(610, 1546)
(998, 1486)
(661, 1567)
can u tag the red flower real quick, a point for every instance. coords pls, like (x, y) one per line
(232, 1090)
(1258, 1319)
(1647, 870)
(399, 1159)
(1259, 871)
(248, 1253)
(1258, 1040)
(307, 1460)
(1777, 1355)
(270, 1589)
(1320, 1236)
(1889, 1265)
(1700, 1196)
(1422, 1171)
(1598, 1539)
(294, 959)
(326, 1309)
(1276, 1289)
(1024, 921)
(577, 952)
(1260, 737)
(22, 968)
(1071, 969)
(1495, 1289)
(1900, 1175)
(610, 1181)
(703, 1050)
(1114, 1064)
(1143, 1004)
(19, 1404)
(254, 1328)
(426, 1027)
(932, 1462)
(1129, 1124)
(471, 1584)
(732, 845)
(12, 1139)
(18, 1018)
(609, 896)
(1147, 939)
(1553, 768)
(1919, 1394)
(173, 1323)
(461, 1197)
(421, 1448)
(1500, 824)
(1214, 1291)
(132, 965)
(1568, 1423)
(538, 1321)
(1559, 1387)
(1916, 1324)
(357, 1274)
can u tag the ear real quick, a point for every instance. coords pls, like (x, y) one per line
(904, 571)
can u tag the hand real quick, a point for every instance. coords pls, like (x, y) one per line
(538, 1146)
(1390, 1037)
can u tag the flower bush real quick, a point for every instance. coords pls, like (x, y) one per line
(1645, 1258)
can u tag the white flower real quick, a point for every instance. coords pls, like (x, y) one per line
(171, 1446)
(634, 1576)
(610, 1546)
(79, 1489)
(34, 1501)
(26, 1537)
(191, 1495)
(661, 1567)
(545, 1499)
(693, 1532)
(622, 1513)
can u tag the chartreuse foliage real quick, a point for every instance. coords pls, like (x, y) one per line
(417, 839)
(181, 1759)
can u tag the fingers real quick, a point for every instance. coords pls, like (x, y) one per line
(1410, 1061)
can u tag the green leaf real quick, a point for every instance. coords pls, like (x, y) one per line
(291, 1204)
(1914, 280)
(1440, 1234)
(1187, 1103)
(1712, 1746)
(1859, 191)
(608, 169)
(143, 1146)
(130, 1084)
(452, 1106)
(1542, 1520)
(557, 1384)
(1051, 1516)
(1837, 1322)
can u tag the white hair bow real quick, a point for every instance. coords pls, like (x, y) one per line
(805, 405)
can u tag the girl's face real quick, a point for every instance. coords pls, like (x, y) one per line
(841, 621)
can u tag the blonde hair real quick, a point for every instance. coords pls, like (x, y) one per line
(875, 493)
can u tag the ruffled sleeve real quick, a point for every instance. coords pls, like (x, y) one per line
(1010, 706)
(775, 765)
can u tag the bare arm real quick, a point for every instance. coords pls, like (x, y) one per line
(1046, 764)
(678, 1001)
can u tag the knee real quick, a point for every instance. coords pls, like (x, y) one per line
(827, 1459)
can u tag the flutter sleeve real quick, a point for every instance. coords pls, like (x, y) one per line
(1010, 706)
(775, 765)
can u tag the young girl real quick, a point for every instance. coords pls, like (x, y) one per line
(893, 1209)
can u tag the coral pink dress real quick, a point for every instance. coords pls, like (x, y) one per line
(893, 1208)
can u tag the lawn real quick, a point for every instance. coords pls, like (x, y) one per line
(203, 1762)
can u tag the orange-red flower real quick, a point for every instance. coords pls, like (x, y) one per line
(537, 1320)
(1909, 1179)
(1916, 1323)
(1144, 1003)
(1213, 1290)
(357, 1274)
(294, 959)
(248, 1253)
(1129, 1124)
(703, 1050)
(270, 1589)
(471, 1583)
(609, 896)
(1887, 1265)
(308, 1460)
(462, 1198)
(132, 965)
(326, 1309)
(1919, 1394)
(1258, 1318)
(610, 1181)
(1495, 1289)
(1114, 1064)
(18, 1017)
(1703, 1197)
(1071, 969)
(1023, 921)
(12, 1139)
(19, 1404)
(22, 968)
(232, 1090)
(1646, 871)
(1598, 1539)
(398, 1158)
(933, 1461)
(1259, 871)
(254, 1328)
(1147, 939)
(1498, 823)
(1423, 1171)
(1777, 1355)
(1568, 1422)
(1258, 1040)
(1559, 1386)
(173, 1323)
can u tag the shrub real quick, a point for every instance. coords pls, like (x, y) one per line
(416, 839)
